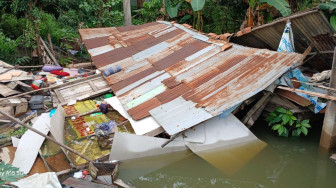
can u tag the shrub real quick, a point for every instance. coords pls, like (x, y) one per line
(284, 122)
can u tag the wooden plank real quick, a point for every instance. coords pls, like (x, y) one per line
(23, 86)
(12, 85)
(328, 135)
(316, 85)
(79, 183)
(94, 79)
(78, 91)
(315, 94)
(80, 65)
(260, 104)
(92, 85)
(21, 108)
(256, 115)
(59, 86)
(93, 94)
(6, 91)
(59, 95)
(49, 53)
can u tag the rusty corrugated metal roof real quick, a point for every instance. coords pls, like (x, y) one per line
(293, 97)
(179, 76)
(309, 27)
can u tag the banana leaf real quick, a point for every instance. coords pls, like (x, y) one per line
(197, 4)
(280, 5)
(328, 6)
(172, 11)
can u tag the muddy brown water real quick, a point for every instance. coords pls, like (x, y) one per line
(284, 162)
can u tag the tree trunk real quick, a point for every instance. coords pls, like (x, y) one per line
(127, 12)
(37, 33)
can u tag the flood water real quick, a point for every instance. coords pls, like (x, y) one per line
(284, 162)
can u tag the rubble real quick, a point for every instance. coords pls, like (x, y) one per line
(176, 90)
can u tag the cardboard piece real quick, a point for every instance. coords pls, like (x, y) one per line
(30, 144)
(6, 91)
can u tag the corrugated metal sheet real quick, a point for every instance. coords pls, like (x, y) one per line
(309, 27)
(181, 77)
(293, 97)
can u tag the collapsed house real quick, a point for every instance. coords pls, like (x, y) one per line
(178, 76)
(173, 81)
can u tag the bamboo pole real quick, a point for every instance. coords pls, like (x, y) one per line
(46, 136)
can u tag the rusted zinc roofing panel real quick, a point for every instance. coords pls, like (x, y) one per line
(309, 27)
(293, 97)
(181, 77)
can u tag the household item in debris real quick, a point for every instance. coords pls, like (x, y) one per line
(49, 68)
(107, 126)
(112, 70)
(60, 73)
(81, 71)
(36, 84)
(36, 102)
(109, 95)
(104, 107)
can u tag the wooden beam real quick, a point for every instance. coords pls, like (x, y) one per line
(48, 51)
(317, 85)
(284, 19)
(305, 53)
(55, 86)
(315, 94)
(248, 119)
(322, 52)
(301, 60)
(328, 135)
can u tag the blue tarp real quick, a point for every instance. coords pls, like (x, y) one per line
(287, 45)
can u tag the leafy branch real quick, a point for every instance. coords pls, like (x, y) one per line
(283, 121)
(9, 173)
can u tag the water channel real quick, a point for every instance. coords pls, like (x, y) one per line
(284, 162)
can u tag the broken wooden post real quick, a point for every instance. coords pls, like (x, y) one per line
(45, 136)
(256, 110)
(127, 12)
(328, 135)
(49, 53)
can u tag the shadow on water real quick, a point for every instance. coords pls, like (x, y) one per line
(284, 162)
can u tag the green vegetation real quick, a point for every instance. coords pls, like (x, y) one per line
(18, 132)
(23, 21)
(9, 173)
(329, 8)
(284, 122)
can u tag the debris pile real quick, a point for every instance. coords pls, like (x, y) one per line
(159, 88)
